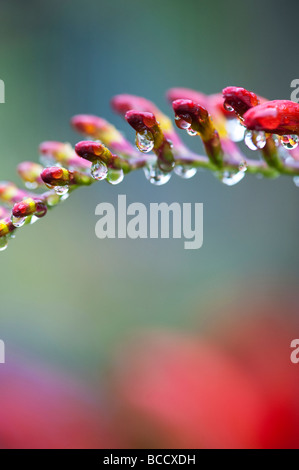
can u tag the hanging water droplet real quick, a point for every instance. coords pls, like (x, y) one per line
(64, 197)
(191, 132)
(115, 176)
(61, 190)
(156, 176)
(230, 177)
(260, 139)
(144, 141)
(183, 123)
(255, 139)
(235, 130)
(3, 243)
(248, 140)
(99, 170)
(228, 107)
(18, 221)
(290, 142)
(185, 172)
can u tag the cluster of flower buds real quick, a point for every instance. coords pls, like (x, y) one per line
(219, 120)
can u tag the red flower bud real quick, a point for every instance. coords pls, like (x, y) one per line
(28, 207)
(239, 99)
(141, 121)
(92, 151)
(56, 176)
(6, 227)
(276, 117)
(150, 137)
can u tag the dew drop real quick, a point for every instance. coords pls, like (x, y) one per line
(61, 190)
(255, 139)
(191, 132)
(235, 130)
(156, 176)
(260, 139)
(290, 142)
(183, 123)
(18, 221)
(115, 176)
(99, 170)
(64, 197)
(144, 141)
(230, 178)
(248, 140)
(228, 107)
(3, 243)
(185, 172)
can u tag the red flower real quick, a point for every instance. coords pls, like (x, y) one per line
(276, 117)
(239, 99)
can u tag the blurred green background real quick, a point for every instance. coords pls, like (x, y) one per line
(70, 299)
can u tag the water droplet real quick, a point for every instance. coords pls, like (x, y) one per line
(183, 123)
(64, 197)
(144, 141)
(99, 170)
(255, 139)
(260, 139)
(31, 185)
(18, 221)
(191, 132)
(290, 142)
(61, 190)
(228, 107)
(230, 178)
(3, 243)
(156, 176)
(248, 140)
(235, 130)
(115, 176)
(185, 172)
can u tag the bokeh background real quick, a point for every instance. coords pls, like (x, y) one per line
(104, 334)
